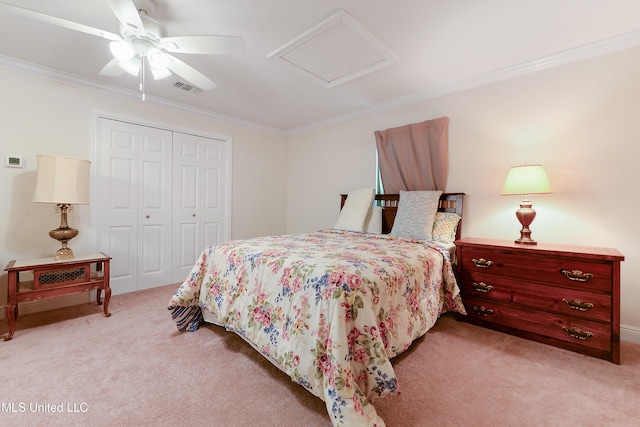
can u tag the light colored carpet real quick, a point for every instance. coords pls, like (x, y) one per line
(134, 368)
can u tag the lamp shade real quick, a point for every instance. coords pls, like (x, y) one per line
(525, 180)
(62, 180)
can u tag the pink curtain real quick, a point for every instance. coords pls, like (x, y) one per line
(414, 157)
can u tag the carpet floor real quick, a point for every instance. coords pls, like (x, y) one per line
(74, 367)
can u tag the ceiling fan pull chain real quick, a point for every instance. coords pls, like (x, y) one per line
(142, 66)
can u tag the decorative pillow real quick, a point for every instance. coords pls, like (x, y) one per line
(445, 227)
(416, 214)
(355, 210)
(374, 221)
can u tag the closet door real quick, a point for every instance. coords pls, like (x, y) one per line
(133, 174)
(154, 207)
(200, 207)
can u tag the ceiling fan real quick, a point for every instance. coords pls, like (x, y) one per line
(143, 42)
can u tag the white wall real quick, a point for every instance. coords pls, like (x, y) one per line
(580, 121)
(40, 116)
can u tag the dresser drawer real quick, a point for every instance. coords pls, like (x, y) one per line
(588, 305)
(575, 273)
(565, 328)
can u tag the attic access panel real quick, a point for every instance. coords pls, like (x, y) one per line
(335, 51)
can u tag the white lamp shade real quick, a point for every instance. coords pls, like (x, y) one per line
(62, 180)
(526, 179)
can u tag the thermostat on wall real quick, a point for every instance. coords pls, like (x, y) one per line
(14, 162)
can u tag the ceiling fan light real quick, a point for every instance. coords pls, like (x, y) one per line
(160, 73)
(157, 59)
(132, 66)
(122, 50)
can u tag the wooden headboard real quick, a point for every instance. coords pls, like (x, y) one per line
(449, 202)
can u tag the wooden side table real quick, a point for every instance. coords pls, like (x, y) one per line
(52, 278)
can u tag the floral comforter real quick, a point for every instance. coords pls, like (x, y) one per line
(329, 308)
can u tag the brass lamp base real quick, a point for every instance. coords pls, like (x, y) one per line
(64, 253)
(63, 234)
(526, 215)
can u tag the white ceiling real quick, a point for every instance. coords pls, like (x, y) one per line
(440, 45)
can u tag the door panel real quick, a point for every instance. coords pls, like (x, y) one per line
(151, 249)
(121, 238)
(154, 196)
(187, 227)
(212, 232)
(200, 189)
(189, 187)
(122, 188)
(116, 176)
(212, 190)
(188, 235)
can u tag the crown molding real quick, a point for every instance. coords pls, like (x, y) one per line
(86, 83)
(591, 50)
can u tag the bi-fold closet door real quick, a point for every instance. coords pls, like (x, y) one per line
(161, 198)
(200, 209)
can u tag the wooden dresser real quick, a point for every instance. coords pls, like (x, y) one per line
(563, 295)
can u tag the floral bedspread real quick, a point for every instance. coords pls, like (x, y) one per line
(329, 308)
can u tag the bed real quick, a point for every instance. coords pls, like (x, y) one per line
(331, 308)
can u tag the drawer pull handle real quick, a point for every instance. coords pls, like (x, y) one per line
(577, 333)
(482, 287)
(482, 310)
(482, 263)
(577, 304)
(577, 275)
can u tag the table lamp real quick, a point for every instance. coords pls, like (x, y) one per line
(525, 180)
(62, 181)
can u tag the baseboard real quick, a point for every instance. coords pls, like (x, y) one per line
(630, 333)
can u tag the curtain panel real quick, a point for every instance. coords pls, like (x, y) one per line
(414, 157)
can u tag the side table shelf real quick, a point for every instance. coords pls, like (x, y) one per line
(52, 278)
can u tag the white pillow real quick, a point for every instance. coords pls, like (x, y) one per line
(415, 215)
(355, 210)
(373, 223)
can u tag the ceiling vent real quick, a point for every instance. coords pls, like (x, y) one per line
(335, 51)
(187, 87)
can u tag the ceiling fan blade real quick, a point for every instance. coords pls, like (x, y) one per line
(190, 74)
(53, 20)
(203, 44)
(127, 14)
(112, 69)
